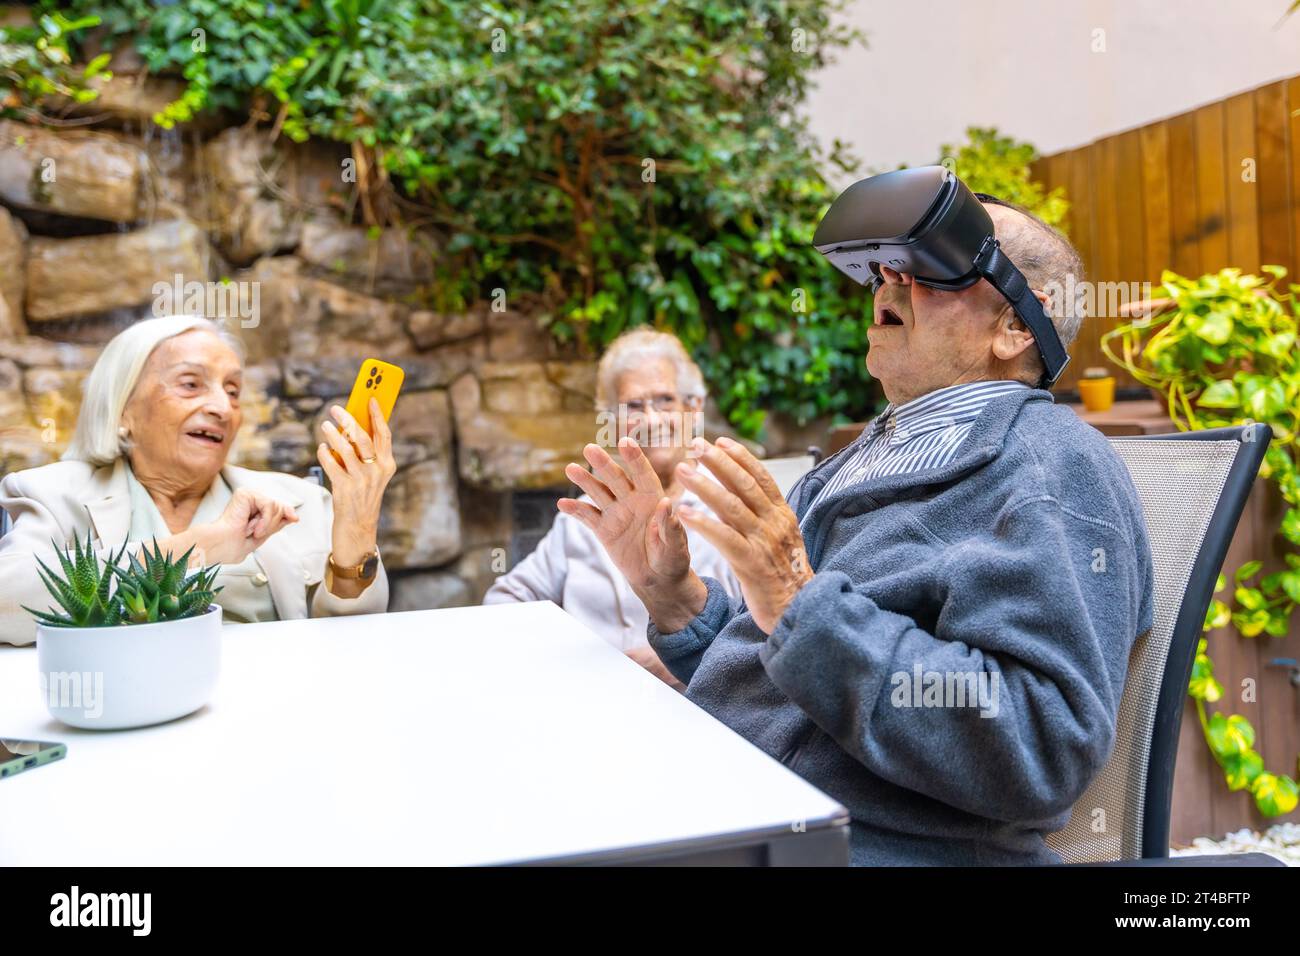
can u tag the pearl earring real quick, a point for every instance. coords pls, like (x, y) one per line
(123, 434)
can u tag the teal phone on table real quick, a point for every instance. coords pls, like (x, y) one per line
(19, 755)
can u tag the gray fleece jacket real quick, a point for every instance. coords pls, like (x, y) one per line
(953, 671)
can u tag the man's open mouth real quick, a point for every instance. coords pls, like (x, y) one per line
(203, 434)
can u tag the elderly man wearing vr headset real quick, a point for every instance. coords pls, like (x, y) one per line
(936, 626)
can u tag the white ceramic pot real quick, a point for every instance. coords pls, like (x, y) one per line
(108, 678)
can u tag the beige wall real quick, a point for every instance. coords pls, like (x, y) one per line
(933, 67)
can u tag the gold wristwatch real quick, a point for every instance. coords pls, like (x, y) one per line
(365, 571)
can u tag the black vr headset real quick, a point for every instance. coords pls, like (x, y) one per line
(925, 222)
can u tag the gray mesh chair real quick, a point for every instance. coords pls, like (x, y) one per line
(1193, 487)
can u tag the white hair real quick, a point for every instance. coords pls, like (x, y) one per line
(632, 350)
(114, 377)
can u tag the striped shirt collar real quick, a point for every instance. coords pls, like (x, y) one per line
(939, 409)
(919, 435)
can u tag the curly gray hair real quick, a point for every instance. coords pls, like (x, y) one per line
(635, 348)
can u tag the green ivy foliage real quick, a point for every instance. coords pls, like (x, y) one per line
(638, 161)
(35, 65)
(1231, 737)
(1224, 353)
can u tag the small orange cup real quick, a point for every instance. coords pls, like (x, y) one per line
(1097, 392)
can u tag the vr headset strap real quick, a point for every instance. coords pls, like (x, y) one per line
(1001, 272)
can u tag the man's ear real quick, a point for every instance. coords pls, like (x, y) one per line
(1012, 339)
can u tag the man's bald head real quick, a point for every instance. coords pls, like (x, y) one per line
(1049, 263)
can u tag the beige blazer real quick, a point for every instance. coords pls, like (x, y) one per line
(64, 500)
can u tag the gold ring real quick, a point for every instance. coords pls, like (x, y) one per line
(369, 461)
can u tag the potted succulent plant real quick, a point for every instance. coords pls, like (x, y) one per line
(142, 653)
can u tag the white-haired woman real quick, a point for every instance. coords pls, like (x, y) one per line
(648, 388)
(160, 411)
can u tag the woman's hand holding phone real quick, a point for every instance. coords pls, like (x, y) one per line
(358, 477)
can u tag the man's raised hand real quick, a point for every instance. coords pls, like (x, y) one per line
(755, 530)
(634, 521)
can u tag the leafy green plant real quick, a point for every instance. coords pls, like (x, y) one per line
(1220, 350)
(155, 589)
(635, 161)
(1231, 737)
(35, 65)
(158, 589)
(999, 165)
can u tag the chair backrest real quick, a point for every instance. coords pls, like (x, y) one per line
(786, 471)
(1193, 487)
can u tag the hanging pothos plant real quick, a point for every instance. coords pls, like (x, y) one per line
(1221, 350)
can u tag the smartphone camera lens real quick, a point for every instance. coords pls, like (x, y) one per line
(370, 382)
(374, 371)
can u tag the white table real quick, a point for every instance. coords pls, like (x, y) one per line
(482, 735)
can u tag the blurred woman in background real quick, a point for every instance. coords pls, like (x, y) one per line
(646, 387)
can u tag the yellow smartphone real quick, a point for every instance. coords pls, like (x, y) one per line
(375, 379)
